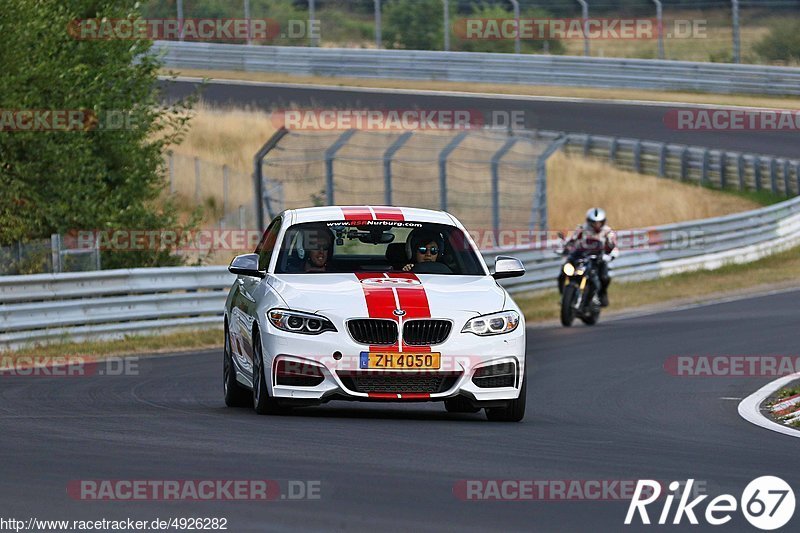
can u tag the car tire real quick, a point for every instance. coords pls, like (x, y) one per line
(235, 394)
(262, 402)
(514, 411)
(459, 404)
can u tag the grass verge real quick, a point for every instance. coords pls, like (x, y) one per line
(674, 290)
(510, 89)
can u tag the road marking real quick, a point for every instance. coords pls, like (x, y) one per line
(730, 398)
(749, 408)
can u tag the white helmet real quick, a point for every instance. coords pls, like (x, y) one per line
(596, 215)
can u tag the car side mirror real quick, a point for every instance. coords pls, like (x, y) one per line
(246, 265)
(508, 267)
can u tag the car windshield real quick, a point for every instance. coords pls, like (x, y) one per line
(377, 246)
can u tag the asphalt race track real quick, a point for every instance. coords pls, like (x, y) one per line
(600, 406)
(597, 118)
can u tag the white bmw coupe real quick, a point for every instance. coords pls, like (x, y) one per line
(368, 303)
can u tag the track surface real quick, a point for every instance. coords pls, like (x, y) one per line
(597, 118)
(601, 406)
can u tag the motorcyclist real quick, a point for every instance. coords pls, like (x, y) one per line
(594, 236)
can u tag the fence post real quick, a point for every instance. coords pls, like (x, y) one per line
(797, 176)
(517, 43)
(387, 165)
(330, 154)
(637, 156)
(443, 155)
(241, 217)
(662, 161)
(249, 24)
(446, 17)
(180, 20)
(171, 167)
(585, 17)
(736, 38)
(773, 175)
(786, 172)
(723, 157)
(740, 171)
(498, 155)
(539, 208)
(378, 36)
(55, 252)
(258, 177)
(312, 17)
(197, 181)
(660, 24)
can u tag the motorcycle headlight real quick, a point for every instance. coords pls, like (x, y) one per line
(493, 324)
(569, 270)
(298, 322)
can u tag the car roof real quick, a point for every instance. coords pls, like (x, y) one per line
(369, 212)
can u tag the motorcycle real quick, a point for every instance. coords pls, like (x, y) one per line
(580, 288)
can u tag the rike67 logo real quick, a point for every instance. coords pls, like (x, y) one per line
(767, 503)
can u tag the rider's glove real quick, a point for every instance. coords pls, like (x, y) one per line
(607, 258)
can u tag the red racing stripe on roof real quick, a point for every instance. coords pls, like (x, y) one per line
(388, 213)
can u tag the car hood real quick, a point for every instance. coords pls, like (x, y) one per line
(346, 295)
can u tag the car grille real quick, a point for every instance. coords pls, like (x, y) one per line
(426, 332)
(430, 382)
(370, 331)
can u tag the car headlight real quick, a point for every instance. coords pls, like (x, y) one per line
(298, 322)
(494, 324)
(569, 270)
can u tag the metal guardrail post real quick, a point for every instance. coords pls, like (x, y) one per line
(637, 156)
(495, 164)
(740, 171)
(757, 172)
(443, 155)
(662, 160)
(378, 37)
(704, 169)
(330, 153)
(684, 163)
(660, 23)
(258, 177)
(587, 146)
(55, 252)
(585, 17)
(612, 150)
(723, 158)
(387, 165)
(797, 176)
(773, 175)
(736, 32)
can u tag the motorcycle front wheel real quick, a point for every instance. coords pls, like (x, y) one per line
(567, 302)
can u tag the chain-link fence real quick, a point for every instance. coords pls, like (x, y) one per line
(55, 254)
(468, 173)
(692, 30)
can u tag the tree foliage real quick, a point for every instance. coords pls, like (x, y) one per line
(92, 178)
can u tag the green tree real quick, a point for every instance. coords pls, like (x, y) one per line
(414, 24)
(95, 178)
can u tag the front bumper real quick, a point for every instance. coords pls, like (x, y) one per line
(336, 361)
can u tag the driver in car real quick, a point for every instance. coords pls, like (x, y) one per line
(318, 244)
(425, 248)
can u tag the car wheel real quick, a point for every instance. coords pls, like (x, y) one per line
(263, 404)
(235, 394)
(514, 411)
(459, 404)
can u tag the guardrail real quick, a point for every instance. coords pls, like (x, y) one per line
(493, 68)
(44, 308)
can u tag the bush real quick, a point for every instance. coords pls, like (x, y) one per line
(90, 178)
(413, 24)
(484, 11)
(782, 43)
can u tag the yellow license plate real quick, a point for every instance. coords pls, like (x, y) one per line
(401, 361)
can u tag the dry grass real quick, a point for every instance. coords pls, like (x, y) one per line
(631, 200)
(511, 89)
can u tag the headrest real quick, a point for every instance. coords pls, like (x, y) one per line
(396, 254)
